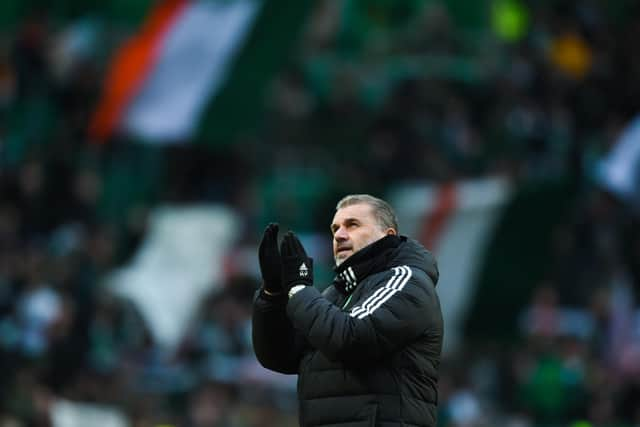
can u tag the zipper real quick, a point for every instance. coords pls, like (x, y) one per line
(347, 302)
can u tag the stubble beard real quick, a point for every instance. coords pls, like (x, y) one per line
(339, 260)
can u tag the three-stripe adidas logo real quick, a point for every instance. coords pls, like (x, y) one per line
(395, 284)
(349, 276)
(303, 271)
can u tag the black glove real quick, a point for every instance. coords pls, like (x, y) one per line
(297, 267)
(269, 257)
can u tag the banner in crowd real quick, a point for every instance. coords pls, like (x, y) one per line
(66, 413)
(161, 79)
(619, 171)
(180, 261)
(455, 221)
(196, 69)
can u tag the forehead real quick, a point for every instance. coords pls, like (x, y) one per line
(361, 211)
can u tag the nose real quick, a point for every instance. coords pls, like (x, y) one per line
(341, 235)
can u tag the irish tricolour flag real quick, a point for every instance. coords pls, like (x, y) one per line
(162, 81)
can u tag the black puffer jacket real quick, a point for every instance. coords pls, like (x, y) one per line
(367, 350)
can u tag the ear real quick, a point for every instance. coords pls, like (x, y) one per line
(391, 232)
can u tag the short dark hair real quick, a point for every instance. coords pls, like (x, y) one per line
(383, 212)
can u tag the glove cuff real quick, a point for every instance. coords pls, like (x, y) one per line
(271, 296)
(272, 289)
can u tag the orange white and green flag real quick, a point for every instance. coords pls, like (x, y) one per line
(161, 83)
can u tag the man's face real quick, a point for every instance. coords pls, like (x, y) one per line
(354, 227)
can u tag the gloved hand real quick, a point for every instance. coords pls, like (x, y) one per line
(297, 267)
(270, 261)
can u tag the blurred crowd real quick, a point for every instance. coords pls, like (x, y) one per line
(377, 93)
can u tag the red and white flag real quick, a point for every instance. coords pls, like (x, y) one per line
(455, 221)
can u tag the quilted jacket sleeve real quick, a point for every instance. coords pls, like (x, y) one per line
(276, 344)
(397, 311)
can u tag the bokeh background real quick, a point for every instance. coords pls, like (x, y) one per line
(145, 145)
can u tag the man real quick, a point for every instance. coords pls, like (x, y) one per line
(367, 349)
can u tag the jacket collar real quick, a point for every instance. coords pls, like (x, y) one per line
(367, 261)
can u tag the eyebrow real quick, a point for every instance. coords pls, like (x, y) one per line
(348, 220)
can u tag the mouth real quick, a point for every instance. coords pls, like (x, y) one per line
(342, 250)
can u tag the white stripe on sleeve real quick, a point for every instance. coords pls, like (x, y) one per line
(396, 283)
(398, 288)
(362, 307)
(390, 288)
